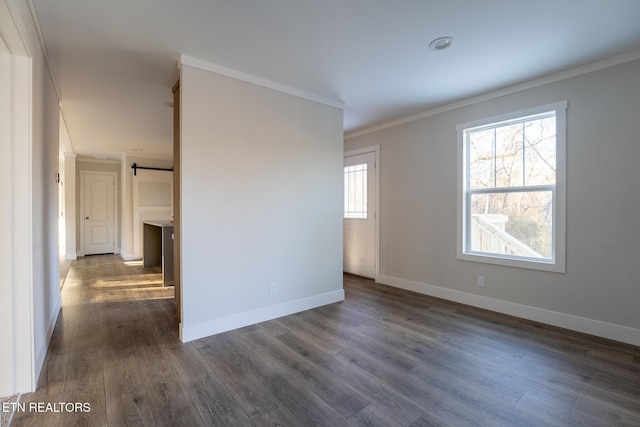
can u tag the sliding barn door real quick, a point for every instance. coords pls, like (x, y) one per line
(152, 200)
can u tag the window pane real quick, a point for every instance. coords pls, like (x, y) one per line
(517, 224)
(481, 162)
(508, 179)
(509, 156)
(355, 191)
(540, 151)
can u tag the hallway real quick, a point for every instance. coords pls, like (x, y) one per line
(114, 313)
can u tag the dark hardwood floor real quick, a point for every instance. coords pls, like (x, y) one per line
(384, 357)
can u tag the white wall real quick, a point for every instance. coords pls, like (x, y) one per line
(71, 206)
(33, 285)
(44, 202)
(6, 336)
(67, 206)
(261, 203)
(600, 291)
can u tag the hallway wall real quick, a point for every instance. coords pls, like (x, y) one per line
(32, 282)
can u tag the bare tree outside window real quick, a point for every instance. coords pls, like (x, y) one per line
(511, 177)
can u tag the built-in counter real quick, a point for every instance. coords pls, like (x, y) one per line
(157, 248)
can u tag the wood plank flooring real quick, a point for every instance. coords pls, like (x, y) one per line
(384, 357)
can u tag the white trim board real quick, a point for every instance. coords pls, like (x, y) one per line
(598, 328)
(129, 257)
(18, 357)
(41, 352)
(247, 318)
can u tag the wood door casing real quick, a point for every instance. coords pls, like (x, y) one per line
(176, 202)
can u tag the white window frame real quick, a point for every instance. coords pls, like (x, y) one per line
(557, 261)
(352, 214)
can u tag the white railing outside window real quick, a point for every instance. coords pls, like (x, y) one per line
(511, 173)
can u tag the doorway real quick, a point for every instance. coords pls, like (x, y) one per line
(98, 207)
(360, 220)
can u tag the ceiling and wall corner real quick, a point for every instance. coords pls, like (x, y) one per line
(115, 63)
(563, 75)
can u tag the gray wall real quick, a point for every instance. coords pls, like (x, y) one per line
(261, 185)
(601, 286)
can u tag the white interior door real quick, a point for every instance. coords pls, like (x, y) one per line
(359, 238)
(99, 214)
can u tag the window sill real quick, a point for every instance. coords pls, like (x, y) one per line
(532, 264)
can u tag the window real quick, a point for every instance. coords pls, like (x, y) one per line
(355, 191)
(511, 205)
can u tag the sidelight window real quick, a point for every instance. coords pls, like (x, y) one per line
(355, 191)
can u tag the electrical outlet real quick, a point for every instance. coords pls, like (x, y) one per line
(480, 281)
(273, 289)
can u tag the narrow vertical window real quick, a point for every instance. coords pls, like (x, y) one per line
(355, 191)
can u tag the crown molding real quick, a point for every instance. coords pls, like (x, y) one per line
(43, 48)
(551, 78)
(259, 81)
(47, 60)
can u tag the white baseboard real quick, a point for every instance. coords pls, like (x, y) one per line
(130, 257)
(240, 320)
(41, 351)
(598, 328)
(70, 257)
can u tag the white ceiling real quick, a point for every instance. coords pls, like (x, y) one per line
(115, 61)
